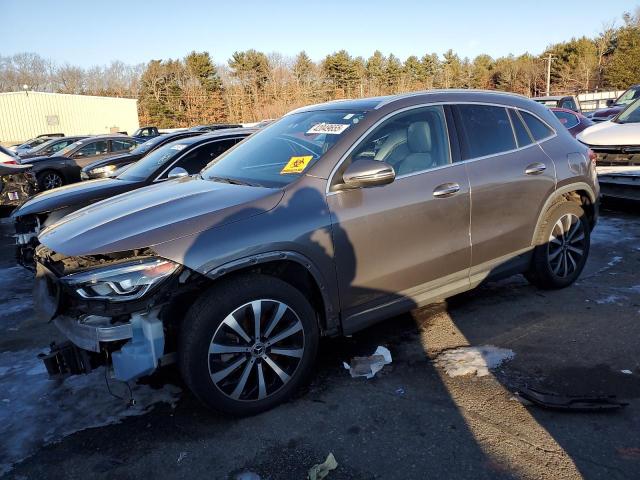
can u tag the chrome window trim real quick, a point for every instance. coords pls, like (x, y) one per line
(158, 179)
(421, 105)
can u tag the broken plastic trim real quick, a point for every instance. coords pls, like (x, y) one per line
(571, 402)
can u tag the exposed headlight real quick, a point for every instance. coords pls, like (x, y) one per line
(122, 282)
(105, 169)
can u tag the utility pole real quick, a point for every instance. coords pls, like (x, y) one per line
(549, 60)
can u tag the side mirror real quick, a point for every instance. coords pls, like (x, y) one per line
(177, 173)
(78, 155)
(609, 102)
(368, 173)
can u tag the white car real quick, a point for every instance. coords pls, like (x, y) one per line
(616, 142)
(7, 156)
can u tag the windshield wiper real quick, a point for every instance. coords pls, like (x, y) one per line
(232, 181)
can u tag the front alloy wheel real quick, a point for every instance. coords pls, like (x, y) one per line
(256, 349)
(248, 343)
(50, 180)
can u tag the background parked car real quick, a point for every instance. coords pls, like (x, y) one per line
(617, 142)
(145, 133)
(8, 156)
(569, 102)
(50, 147)
(614, 107)
(17, 183)
(573, 121)
(107, 167)
(214, 126)
(185, 156)
(29, 144)
(63, 167)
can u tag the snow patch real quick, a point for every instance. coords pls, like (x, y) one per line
(614, 261)
(473, 360)
(36, 410)
(610, 299)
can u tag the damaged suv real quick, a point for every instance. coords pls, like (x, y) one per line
(333, 218)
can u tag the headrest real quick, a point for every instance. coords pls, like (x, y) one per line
(419, 137)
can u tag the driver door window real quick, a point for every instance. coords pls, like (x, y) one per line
(411, 142)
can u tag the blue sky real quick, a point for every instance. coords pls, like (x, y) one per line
(137, 31)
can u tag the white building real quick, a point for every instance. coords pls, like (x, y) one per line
(25, 115)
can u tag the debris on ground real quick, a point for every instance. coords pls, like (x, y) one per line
(321, 470)
(182, 456)
(248, 476)
(368, 366)
(626, 372)
(469, 360)
(583, 403)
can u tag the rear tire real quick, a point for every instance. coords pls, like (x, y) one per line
(49, 179)
(237, 365)
(562, 247)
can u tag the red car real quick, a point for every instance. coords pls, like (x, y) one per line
(573, 121)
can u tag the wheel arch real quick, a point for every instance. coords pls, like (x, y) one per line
(295, 269)
(580, 192)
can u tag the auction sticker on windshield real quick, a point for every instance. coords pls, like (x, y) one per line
(329, 128)
(296, 164)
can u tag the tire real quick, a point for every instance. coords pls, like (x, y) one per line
(562, 247)
(49, 179)
(217, 350)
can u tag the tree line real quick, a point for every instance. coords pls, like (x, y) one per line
(253, 85)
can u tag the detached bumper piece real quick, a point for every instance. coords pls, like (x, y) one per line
(571, 402)
(142, 341)
(67, 359)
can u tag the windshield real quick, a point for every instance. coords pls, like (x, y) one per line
(631, 114)
(628, 97)
(34, 142)
(148, 145)
(67, 149)
(283, 151)
(142, 169)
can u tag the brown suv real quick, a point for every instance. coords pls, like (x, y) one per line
(333, 218)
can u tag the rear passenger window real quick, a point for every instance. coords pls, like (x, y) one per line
(538, 129)
(522, 136)
(569, 120)
(487, 130)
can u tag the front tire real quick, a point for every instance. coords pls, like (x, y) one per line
(49, 179)
(247, 344)
(562, 247)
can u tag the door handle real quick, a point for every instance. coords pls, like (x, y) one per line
(446, 190)
(535, 168)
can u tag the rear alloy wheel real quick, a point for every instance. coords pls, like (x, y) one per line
(48, 180)
(247, 344)
(563, 247)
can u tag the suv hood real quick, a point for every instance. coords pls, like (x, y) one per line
(77, 193)
(156, 214)
(611, 134)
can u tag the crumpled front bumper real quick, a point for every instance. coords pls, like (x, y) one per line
(90, 332)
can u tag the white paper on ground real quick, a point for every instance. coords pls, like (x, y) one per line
(368, 366)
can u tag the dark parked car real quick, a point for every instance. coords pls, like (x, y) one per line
(573, 121)
(333, 218)
(145, 133)
(63, 167)
(17, 183)
(614, 107)
(29, 144)
(185, 156)
(107, 167)
(570, 102)
(50, 147)
(215, 126)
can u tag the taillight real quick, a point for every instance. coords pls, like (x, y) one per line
(592, 156)
(10, 162)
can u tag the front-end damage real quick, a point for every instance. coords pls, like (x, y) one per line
(121, 310)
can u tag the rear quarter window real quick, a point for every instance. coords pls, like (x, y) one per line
(538, 129)
(486, 129)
